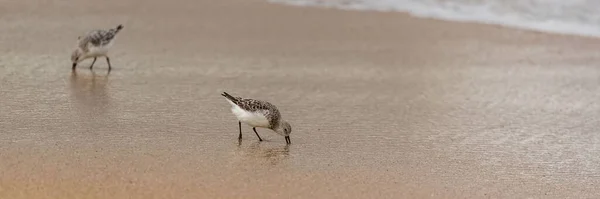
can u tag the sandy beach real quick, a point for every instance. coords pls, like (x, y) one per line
(382, 104)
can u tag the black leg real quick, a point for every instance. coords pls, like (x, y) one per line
(259, 139)
(287, 140)
(92, 65)
(74, 65)
(240, 124)
(108, 61)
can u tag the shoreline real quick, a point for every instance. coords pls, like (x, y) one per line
(447, 19)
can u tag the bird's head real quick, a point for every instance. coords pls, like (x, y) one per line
(76, 56)
(284, 128)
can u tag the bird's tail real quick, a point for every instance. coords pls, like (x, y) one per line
(118, 28)
(229, 97)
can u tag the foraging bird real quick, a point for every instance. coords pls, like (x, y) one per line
(94, 44)
(258, 113)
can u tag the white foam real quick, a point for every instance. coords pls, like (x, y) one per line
(577, 17)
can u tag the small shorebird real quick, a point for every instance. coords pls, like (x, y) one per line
(95, 43)
(258, 113)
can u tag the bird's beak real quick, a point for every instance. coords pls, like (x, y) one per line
(287, 140)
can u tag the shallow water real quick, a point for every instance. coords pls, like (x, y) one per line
(554, 16)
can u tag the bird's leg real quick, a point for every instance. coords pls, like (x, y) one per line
(259, 139)
(240, 124)
(108, 61)
(92, 65)
(287, 140)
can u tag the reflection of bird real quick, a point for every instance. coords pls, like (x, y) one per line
(259, 153)
(273, 155)
(276, 152)
(89, 89)
(95, 43)
(258, 113)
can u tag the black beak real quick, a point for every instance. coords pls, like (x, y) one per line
(74, 65)
(287, 140)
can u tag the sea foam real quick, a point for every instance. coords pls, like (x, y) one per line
(576, 17)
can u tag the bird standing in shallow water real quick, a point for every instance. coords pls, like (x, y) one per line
(95, 43)
(258, 113)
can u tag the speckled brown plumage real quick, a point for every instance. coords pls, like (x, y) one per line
(98, 37)
(269, 110)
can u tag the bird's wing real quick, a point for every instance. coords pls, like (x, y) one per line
(96, 38)
(252, 105)
(266, 108)
(82, 42)
(85, 40)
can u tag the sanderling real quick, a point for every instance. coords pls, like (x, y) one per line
(95, 43)
(258, 113)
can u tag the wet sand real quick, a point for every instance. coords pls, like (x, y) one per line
(382, 105)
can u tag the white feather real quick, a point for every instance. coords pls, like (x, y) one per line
(254, 119)
(98, 51)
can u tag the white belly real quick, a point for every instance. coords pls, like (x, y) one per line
(252, 119)
(98, 51)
